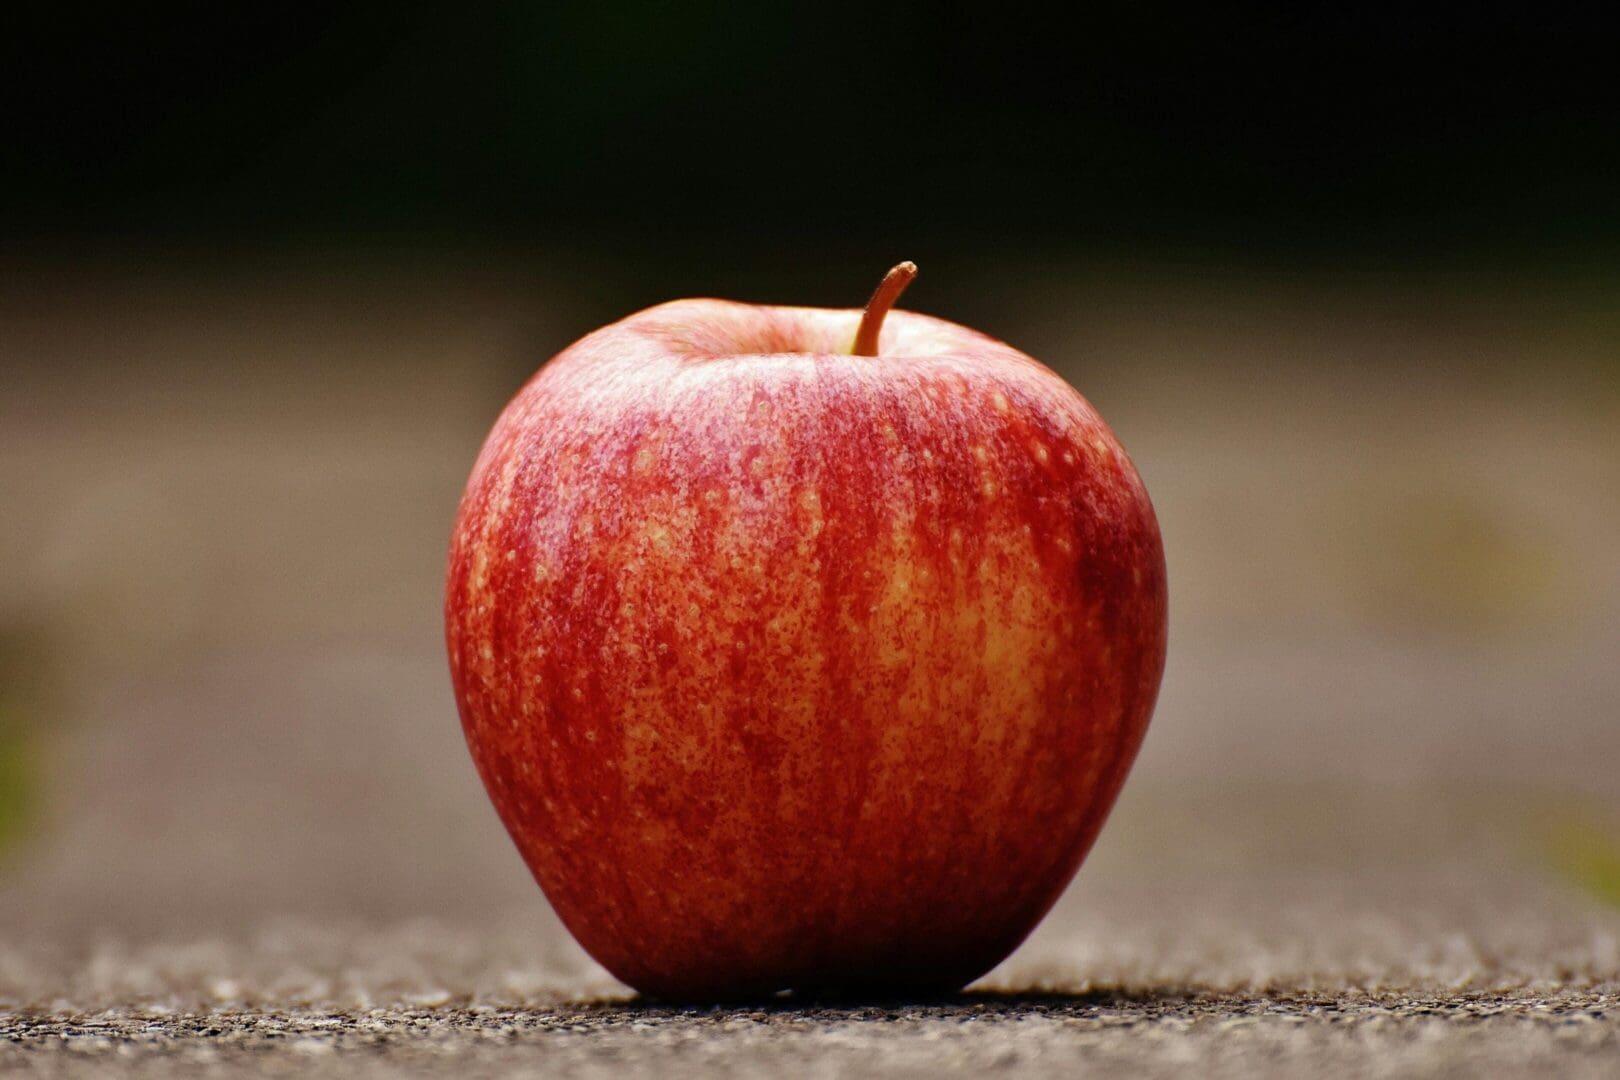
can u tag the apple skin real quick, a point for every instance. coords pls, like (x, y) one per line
(792, 669)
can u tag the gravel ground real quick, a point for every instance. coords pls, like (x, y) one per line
(1195, 956)
(1151, 1034)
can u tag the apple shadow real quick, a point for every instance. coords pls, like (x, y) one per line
(987, 1005)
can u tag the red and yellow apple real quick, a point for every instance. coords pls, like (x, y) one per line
(800, 649)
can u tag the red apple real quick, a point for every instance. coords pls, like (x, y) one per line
(792, 664)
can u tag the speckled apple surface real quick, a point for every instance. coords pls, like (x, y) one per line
(789, 668)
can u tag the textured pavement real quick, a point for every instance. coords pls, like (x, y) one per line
(1161, 1034)
(1173, 951)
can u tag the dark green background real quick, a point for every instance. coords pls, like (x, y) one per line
(675, 131)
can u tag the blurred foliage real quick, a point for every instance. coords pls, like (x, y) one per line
(1588, 855)
(1451, 558)
(17, 782)
(20, 686)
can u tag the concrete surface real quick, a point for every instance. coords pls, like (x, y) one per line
(1387, 970)
(1106, 1033)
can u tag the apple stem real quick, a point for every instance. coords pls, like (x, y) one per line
(883, 297)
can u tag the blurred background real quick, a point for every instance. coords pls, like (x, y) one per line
(1344, 282)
